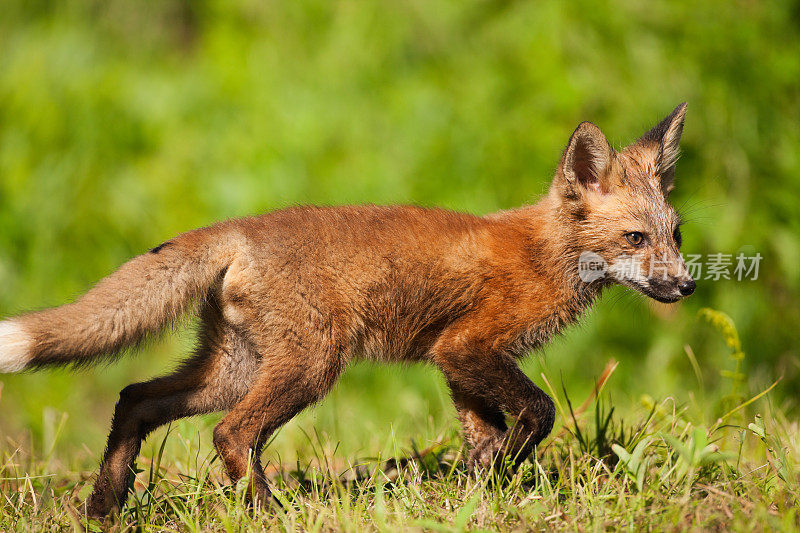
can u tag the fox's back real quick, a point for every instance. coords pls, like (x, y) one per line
(380, 278)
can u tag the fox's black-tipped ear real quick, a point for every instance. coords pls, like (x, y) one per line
(665, 138)
(586, 162)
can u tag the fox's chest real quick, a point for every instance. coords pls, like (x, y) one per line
(534, 330)
(535, 336)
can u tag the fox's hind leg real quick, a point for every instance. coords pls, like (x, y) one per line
(215, 378)
(293, 375)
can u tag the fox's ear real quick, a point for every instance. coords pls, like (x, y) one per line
(586, 162)
(665, 138)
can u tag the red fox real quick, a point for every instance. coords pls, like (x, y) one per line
(287, 299)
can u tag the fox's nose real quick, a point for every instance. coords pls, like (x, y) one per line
(687, 287)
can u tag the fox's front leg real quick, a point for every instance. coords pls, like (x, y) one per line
(486, 383)
(484, 427)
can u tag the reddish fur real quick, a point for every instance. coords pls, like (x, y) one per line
(289, 298)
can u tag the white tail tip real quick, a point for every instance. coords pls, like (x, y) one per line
(15, 347)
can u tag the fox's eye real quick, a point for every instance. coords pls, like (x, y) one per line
(635, 238)
(677, 236)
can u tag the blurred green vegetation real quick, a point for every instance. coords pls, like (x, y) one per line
(123, 123)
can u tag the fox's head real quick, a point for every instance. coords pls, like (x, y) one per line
(616, 207)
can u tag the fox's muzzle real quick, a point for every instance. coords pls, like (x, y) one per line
(687, 287)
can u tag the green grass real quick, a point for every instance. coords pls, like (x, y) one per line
(731, 464)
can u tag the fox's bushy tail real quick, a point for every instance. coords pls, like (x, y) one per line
(140, 298)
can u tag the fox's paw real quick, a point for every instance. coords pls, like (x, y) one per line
(100, 505)
(104, 500)
(486, 454)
